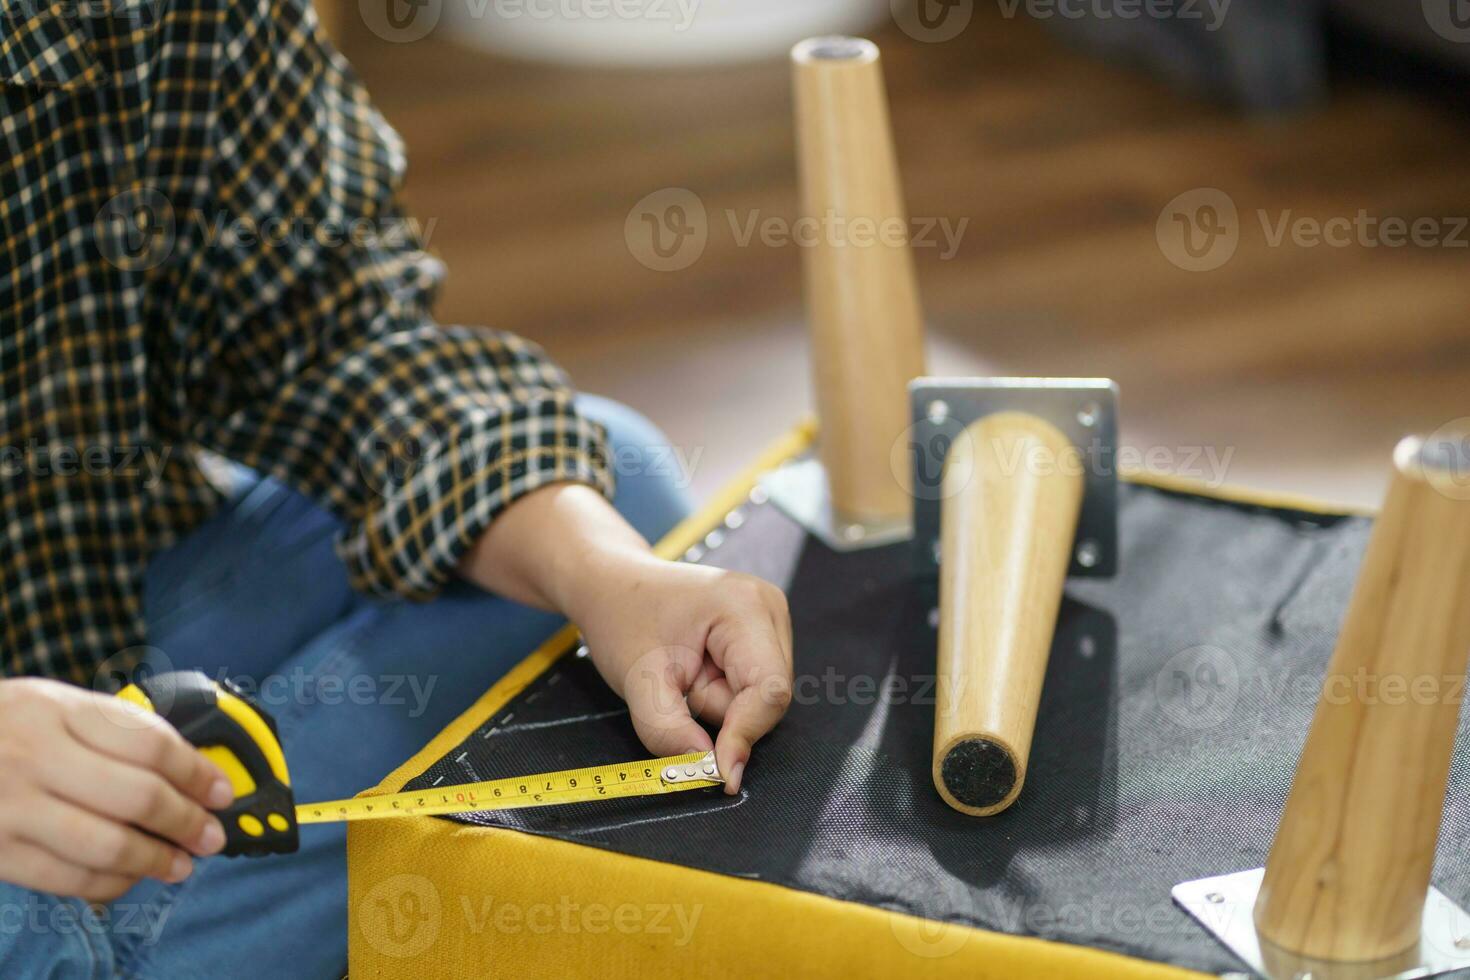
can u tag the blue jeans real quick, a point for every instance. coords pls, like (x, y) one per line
(356, 687)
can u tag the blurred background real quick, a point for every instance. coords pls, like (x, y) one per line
(1250, 213)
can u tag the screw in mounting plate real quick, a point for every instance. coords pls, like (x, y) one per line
(1088, 553)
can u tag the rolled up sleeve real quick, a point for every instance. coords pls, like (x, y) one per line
(316, 359)
(444, 459)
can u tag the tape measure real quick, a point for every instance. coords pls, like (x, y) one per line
(238, 736)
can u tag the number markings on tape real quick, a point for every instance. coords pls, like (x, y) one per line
(672, 774)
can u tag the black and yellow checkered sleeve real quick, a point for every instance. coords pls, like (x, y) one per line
(320, 363)
(199, 247)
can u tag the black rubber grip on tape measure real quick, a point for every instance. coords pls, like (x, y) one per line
(188, 700)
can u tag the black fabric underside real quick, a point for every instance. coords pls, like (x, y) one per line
(1177, 700)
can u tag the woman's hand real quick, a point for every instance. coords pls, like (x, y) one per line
(682, 641)
(97, 794)
(677, 641)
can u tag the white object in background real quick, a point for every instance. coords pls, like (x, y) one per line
(646, 33)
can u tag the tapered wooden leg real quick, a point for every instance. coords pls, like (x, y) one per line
(862, 301)
(1348, 872)
(1008, 521)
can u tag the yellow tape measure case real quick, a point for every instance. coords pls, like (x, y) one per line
(241, 739)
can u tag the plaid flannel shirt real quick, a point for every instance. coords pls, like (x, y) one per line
(199, 249)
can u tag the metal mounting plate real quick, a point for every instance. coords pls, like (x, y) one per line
(800, 489)
(1224, 905)
(1085, 410)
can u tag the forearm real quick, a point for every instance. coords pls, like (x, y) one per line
(675, 640)
(551, 547)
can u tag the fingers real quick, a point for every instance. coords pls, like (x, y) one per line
(77, 774)
(710, 695)
(739, 622)
(655, 691)
(36, 868)
(143, 740)
(756, 659)
(137, 796)
(101, 845)
(752, 714)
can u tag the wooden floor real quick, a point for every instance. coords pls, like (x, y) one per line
(1301, 366)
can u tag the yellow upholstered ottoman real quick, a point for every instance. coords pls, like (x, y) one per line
(1177, 699)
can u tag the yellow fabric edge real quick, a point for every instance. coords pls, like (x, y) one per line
(534, 867)
(1232, 493)
(503, 904)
